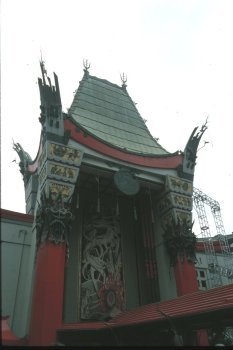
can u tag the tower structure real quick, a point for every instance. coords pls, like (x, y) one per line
(112, 209)
(216, 271)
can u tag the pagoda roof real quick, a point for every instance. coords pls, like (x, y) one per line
(106, 111)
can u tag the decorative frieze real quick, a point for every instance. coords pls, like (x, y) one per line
(58, 190)
(177, 215)
(62, 172)
(177, 195)
(175, 209)
(59, 163)
(173, 200)
(178, 185)
(64, 154)
(58, 172)
(60, 153)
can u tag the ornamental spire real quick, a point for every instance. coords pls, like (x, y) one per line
(190, 152)
(86, 66)
(124, 81)
(43, 70)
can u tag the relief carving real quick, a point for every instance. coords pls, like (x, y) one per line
(53, 220)
(102, 290)
(180, 241)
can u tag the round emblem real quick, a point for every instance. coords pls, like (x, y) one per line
(110, 298)
(126, 183)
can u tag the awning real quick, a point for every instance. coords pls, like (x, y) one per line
(199, 303)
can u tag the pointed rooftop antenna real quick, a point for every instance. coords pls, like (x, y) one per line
(124, 80)
(203, 128)
(86, 66)
(42, 66)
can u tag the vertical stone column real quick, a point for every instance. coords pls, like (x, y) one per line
(175, 208)
(58, 172)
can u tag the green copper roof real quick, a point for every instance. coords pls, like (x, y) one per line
(106, 111)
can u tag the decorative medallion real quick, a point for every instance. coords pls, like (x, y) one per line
(126, 183)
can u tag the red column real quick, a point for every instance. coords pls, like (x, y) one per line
(186, 282)
(202, 337)
(186, 278)
(47, 302)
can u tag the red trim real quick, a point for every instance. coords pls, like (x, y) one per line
(13, 215)
(47, 302)
(186, 278)
(169, 162)
(163, 162)
(201, 248)
(33, 167)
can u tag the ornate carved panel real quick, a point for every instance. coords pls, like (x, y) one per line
(175, 209)
(180, 241)
(174, 200)
(58, 172)
(178, 215)
(176, 184)
(102, 290)
(64, 154)
(53, 221)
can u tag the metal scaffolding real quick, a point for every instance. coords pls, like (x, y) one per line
(216, 271)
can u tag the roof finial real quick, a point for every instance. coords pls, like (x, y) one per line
(42, 66)
(86, 66)
(124, 80)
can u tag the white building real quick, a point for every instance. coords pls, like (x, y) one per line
(223, 271)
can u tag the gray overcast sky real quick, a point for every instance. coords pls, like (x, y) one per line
(178, 57)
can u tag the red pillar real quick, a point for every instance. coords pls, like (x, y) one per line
(47, 302)
(186, 282)
(186, 278)
(202, 337)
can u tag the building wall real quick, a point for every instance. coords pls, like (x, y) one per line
(17, 262)
(204, 276)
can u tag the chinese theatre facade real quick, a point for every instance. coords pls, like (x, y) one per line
(112, 217)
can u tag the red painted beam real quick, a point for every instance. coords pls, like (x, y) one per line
(164, 162)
